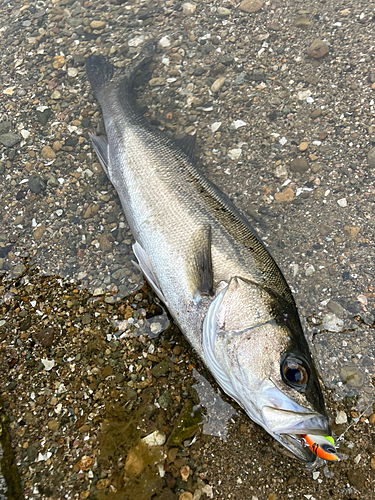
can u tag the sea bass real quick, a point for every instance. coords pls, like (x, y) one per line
(206, 263)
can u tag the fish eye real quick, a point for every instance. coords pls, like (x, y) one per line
(294, 372)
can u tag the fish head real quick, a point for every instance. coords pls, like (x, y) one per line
(255, 347)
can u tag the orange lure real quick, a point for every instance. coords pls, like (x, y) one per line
(321, 446)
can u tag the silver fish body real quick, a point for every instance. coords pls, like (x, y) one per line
(203, 259)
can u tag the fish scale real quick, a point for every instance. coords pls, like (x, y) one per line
(204, 260)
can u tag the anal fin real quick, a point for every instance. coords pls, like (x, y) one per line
(100, 145)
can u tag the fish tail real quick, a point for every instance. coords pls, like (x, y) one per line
(99, 72)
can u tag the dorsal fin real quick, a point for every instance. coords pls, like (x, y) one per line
(187, 144)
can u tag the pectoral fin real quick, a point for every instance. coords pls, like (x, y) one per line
(144, 265)
(200, 265)
(100, 144)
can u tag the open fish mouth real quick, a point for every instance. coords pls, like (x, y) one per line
(289, 427)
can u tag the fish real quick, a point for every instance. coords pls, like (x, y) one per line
(207, 264)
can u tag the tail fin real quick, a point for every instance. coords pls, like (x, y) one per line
(98, 72)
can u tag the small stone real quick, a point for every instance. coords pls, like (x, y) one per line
(107, 371)
(251, 6)
(104, 243)
(160, 369)
(223, 12)
(134, 462)
(156, 438)
(53, 425)
(372, 419)
(39, 231)
(32, 453)
(272, 496)
(315, 167)
(46, 335)
(98, 25)
(372, 463)
(36, 184)
(356, 479)
(341, 418)
(351, 232)
(58, 62)
(350, 375)
(185, 472)
(234, 154)
(303, 146)
(285, 196)
(342, 202)
(86, 463)
(164, 42)
(299, 165)
(56, 95)
(216, 86)
(302, 22)
(157, 82)
(317, 112)
(72, 72)
(188, 8)
(102, 484)
(9, 140)
(281, 172)
(186, 495)
(318, 49)
(371, 158)
(5, 126)
(48, 153)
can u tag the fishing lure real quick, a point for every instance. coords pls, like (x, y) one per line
(321, 446)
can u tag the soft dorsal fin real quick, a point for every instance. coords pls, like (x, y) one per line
(187, 144)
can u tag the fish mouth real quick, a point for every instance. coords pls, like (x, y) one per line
(287, 422)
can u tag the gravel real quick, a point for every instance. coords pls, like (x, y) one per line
(300, 81)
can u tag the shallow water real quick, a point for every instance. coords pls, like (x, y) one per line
(60, 213)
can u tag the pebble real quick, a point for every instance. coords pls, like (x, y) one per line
(72, 72)
(299, 165)
(58, 62)
(251, 6)
(5, 126)
(372, 419)
(98, 25)
(36, 184)
(188, 8)
(341, 418)
(285, 196)
(186, 495)
(48, 153)
(53, 425)
(302, 22)
(164, 42)
(56, 95)
(157, 82)
(216, 86)
(281, 172)
(370, 157)
(185, 472)
(156, 438)
(342, 202)
(315, 167)
(234, 154)
(357, 479)
(38, 232)
(237, 124)
(215, 126)
(223, 12)
(318, 49)
(351, 232)
(303, 146)
(9, 140)
(317, 112)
